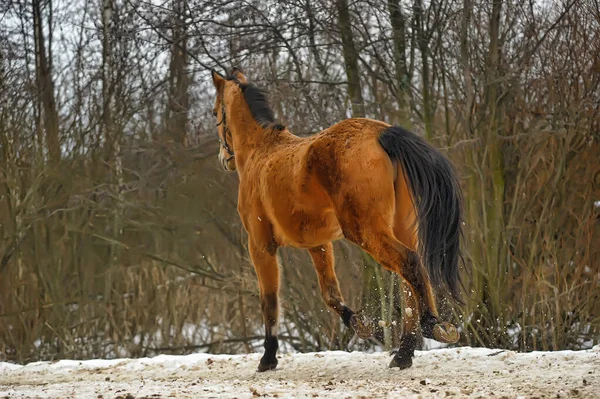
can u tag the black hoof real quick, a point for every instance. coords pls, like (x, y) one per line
(402, 362)
(265, 365)
(403, 356)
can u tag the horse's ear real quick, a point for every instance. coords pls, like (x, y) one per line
(218, 79)
(239, 75)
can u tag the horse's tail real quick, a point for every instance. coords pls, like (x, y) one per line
(436, 193)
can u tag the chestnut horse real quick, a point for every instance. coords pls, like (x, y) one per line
(379, 186)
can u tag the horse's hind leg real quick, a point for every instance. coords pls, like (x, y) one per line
(267, 272)
(322, 257)
(396, 257)
(403, 356)
(431, 327)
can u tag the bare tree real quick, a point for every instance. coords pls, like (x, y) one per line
(178, 104)
(398, 22)
(350, 59)
(45, 83)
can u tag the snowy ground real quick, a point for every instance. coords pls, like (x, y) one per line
(457, 372)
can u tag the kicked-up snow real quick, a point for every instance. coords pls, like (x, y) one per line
(450, 372)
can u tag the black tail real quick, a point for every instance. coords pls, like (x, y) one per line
(436, 193)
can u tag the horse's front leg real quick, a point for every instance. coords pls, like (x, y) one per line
(267, 270)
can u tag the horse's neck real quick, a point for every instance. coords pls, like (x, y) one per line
(264, 141)
(247, 138)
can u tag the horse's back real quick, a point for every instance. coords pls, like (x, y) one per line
(347, 158)
(308, 185)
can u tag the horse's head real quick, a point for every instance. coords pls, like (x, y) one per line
(227, 88)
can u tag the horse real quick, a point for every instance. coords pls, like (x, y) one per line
(380, 186)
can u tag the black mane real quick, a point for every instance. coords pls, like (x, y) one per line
(259, 105)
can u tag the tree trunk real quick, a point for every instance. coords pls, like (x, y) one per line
(350, 59)
(495, 211)
(401, 73)
(464, 52)
(107, 86)
(177, 108)
(312, 41)
(486, 185)
(45, 84)
(423, 43)
(112, 136)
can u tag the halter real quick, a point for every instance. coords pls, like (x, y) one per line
(225, 131)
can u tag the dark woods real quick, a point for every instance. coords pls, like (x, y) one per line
(119, 234)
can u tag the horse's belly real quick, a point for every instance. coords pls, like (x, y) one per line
(306, 229)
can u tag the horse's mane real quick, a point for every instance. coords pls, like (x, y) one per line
(258, 103)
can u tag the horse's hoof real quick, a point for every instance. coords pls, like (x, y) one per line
(446, 333)
(402, 362)
(267, 365)
(362, 326)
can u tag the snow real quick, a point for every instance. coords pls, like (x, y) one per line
(460, 372)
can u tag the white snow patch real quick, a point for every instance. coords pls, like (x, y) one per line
(461, 372)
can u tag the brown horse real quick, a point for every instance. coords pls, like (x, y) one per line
(379, 186)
